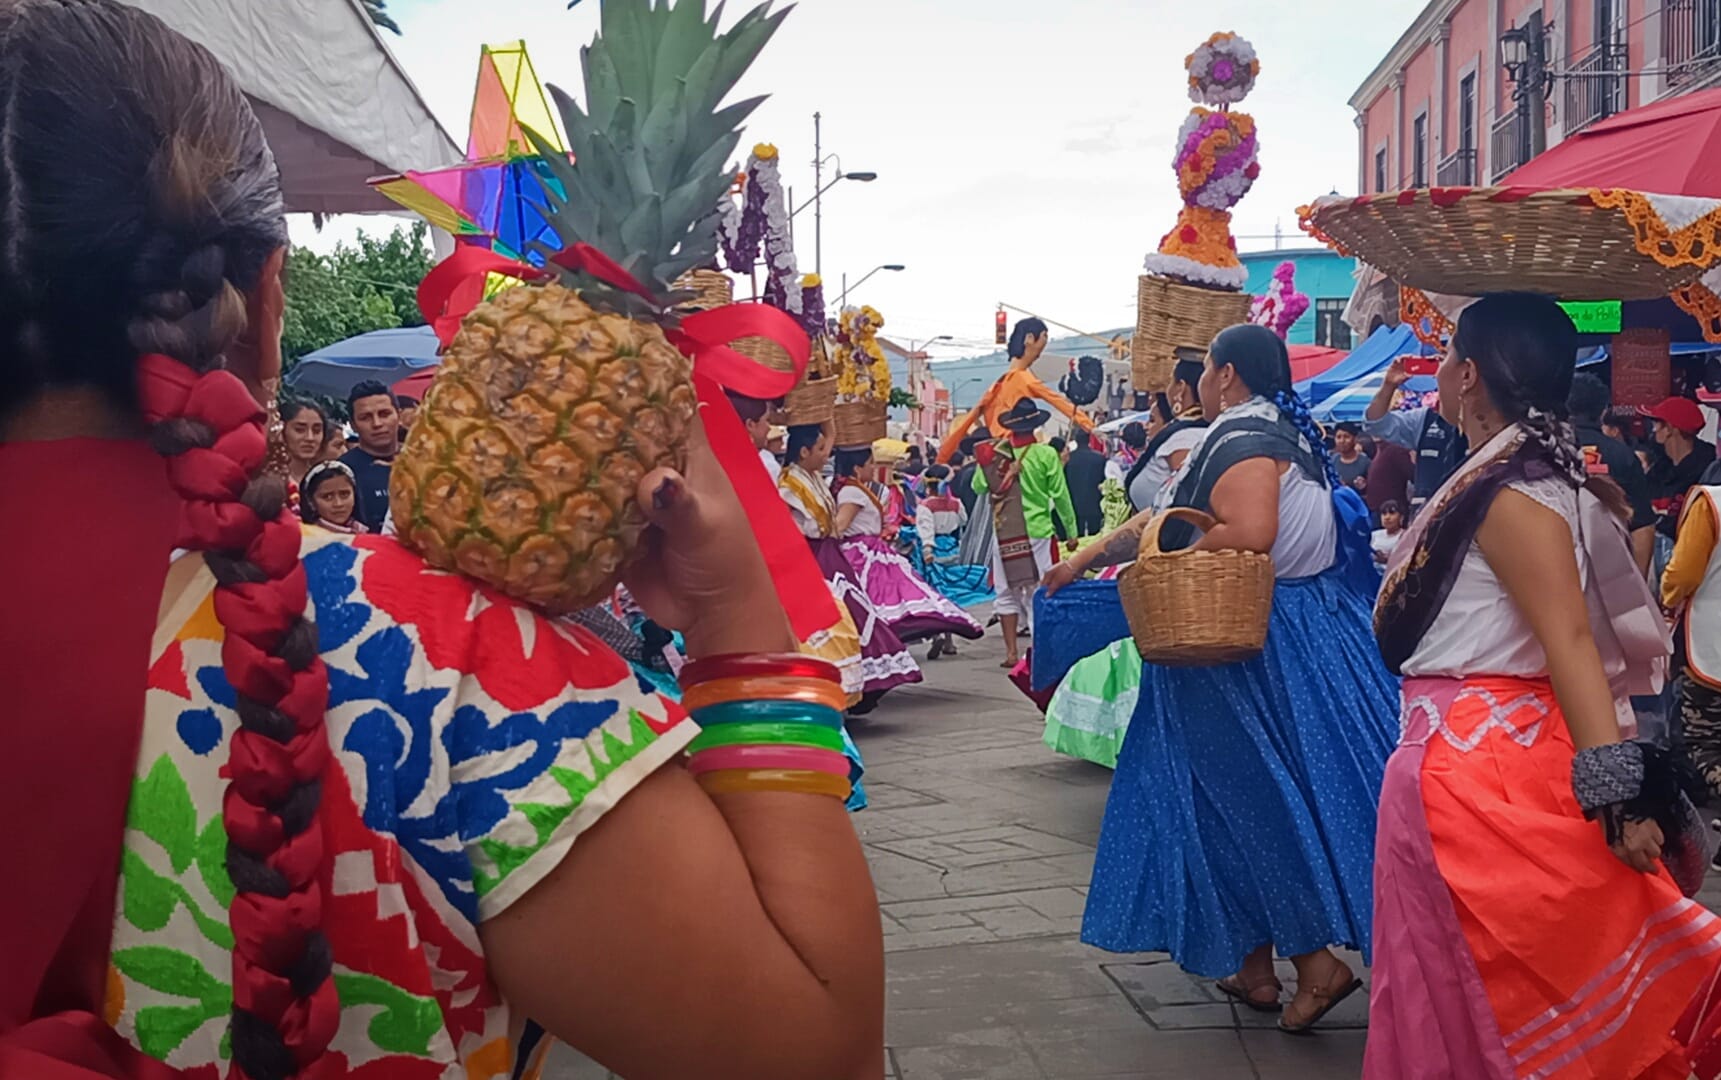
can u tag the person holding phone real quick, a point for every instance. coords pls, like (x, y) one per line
(1439, 446)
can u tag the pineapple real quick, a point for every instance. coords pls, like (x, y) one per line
(556, 399)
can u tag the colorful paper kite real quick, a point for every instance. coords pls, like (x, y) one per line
(497, 198)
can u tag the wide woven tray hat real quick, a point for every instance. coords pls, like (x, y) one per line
(1572, 243)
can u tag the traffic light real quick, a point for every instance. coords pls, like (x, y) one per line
(1003, 324)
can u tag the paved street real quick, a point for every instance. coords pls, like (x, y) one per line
(981, 842)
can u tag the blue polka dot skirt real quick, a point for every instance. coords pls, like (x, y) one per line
(1243, 808)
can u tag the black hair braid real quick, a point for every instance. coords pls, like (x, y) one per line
(1291, 404)
(1554, 435)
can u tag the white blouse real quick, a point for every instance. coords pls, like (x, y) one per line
(1150, 491)
(1479, 630)
(868, 522)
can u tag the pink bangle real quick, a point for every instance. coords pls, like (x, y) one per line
(805, 758)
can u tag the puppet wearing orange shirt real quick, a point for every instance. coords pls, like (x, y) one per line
(1027, 342)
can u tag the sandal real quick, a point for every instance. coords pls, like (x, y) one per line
(937, 649)
(1327, 1000)
(1235, 988)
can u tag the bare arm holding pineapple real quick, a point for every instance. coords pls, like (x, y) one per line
(748, 922)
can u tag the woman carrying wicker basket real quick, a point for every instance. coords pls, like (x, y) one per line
(883, 661)
(1241, 817)
(1526, 924)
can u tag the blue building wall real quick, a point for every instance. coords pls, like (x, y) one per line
(1321, 275)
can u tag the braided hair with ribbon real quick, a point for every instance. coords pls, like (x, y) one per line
(141, 218)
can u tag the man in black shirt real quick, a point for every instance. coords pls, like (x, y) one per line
(1084, 472)
(1588, 402)
(1678, 421)
(377, 422)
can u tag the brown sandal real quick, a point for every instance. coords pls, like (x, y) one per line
(1235, 988)
(1327, 999)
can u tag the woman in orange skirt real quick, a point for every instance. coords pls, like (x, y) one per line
(1532, 865)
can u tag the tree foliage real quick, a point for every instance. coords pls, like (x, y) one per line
(370, 285)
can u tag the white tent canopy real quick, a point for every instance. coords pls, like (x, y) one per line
(335, 105)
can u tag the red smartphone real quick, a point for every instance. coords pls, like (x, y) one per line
(1421, 365)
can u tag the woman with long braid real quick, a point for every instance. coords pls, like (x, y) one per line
(1241, 816)
(1534, 861)
(293, 805)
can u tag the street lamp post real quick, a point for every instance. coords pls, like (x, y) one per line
(1524, 55)
(819, 189)
(844, 302)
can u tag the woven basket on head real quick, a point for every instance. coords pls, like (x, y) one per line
(1196, 608)
(812, 401)
(859, 423)
(1172, 316)
(764, 351)
(1573, 244)
(713, 289)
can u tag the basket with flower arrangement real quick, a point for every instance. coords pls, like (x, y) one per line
(1193, 287)
(863, 378)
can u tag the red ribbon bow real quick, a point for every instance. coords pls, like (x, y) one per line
(456, 286)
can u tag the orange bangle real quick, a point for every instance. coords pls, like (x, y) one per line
(763, 688)
(796, 781)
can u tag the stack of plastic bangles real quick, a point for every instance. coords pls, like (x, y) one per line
(772, 722)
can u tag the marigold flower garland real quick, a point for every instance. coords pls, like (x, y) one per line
(863, 373)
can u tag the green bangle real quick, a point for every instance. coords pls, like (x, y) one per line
(808, 735)
(768, 711)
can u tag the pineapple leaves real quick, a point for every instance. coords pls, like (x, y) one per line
(642, 231)
(664, 138)
(624, 31)
(603, 84)
(685, 37)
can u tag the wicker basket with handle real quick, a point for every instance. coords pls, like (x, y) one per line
(1196, 608)
(859, 423)
(1172, 316)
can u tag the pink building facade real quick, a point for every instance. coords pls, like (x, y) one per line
(1439, 109)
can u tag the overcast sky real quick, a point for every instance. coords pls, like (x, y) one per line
(1023, 148)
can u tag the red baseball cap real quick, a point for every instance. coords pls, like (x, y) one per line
(1679, 413)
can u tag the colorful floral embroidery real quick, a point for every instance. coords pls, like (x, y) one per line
(474, 742)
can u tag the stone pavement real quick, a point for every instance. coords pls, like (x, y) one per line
(981, 842)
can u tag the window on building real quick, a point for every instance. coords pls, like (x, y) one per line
(1380, 169)
(1467, 115)
(1419, 151)
(1331, 329)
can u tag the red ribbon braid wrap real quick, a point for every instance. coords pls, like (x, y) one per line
(270, 933)
(450, 292)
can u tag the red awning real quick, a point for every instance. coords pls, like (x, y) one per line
(1307, 361)
(1672, 147)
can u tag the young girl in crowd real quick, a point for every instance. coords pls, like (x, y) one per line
(1386, 537)
(289, 803)
(331, 499)
(302, 437)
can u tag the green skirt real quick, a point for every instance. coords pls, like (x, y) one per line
(1090, 711)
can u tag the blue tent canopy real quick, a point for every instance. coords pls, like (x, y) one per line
(387, 356)
(1371, 357)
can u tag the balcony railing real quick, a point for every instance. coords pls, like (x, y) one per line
(1690, 40)
(1595, 86)
(1507, 145)
(1458, 170)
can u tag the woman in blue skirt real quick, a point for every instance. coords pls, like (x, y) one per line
(1241, 818)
